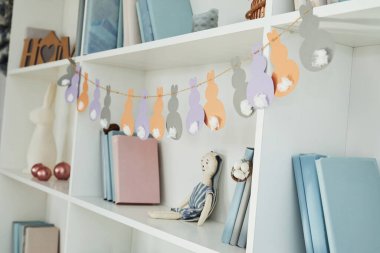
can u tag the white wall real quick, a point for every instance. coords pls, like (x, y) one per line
(2, 93)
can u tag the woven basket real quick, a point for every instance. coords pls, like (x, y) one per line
(257, 10)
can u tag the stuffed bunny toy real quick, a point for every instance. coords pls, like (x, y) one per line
(42, 147)
(200, 204)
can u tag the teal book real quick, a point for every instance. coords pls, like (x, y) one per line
(120, 27)
(314, 204)
(170, 17)
(242, 242)
(78, 44)
(18, 232)
(145, 23)
(235, 204)
(105, 161)
(111, 171)
(350, 193)
(302, 203)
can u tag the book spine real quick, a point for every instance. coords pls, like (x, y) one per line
(111, 170)
(104, 160)
(116, 167)
(242, 242)
(78, 46)
(120, 29)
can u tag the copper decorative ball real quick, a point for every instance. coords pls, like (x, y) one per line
(35, 169)
(43, 173)
(62, 171)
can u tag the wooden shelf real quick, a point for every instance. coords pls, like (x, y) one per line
(53, 187)
(206, 238)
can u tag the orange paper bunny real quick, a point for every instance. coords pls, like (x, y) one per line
(127, 121)
(83, 97)
(215, 115)
(157, 122)
(286, 73)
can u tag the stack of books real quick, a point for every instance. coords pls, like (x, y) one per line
(339, 200)
(35, 237)
(236, 226)
(130, 169)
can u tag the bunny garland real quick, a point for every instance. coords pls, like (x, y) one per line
(65, 79)
(196, 114)
(157, 122)
(260, 90)
(127, 122)
(286, 72)
(215, 116)
(173, 120)
(105, 115)
(83, 97)
(95, 104)
(72, 91)
(142, 121)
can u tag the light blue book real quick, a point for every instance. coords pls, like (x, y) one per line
(120, 27)
(18, 232)
(145, 24)
(235, 204)
(105, 160)
(170, 17)
(242, 242)
(314, 204)
(350, 192)
(78, 44)
(112, 172)
(302, 203)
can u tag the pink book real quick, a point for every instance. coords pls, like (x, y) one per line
(137, 178)
(41, 240)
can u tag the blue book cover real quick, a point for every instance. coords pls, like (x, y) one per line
(101, 29)
(350, 190)
(111, 171)
(105, 160)
(314, 204)
(144, 21)
(120, 27)
(242, 242)
(302, 203)
(18, 232)
(235, 204)
(170, 17)
(78, 44)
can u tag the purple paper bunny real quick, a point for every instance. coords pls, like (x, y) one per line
(260, 90)
(196, 114)
(95, 104)
(142, 121)
(72, 91)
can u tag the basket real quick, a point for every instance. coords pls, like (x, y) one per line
(257, 10)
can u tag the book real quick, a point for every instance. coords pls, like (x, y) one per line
(18, 232)
(241, 213)
(101, 28)
(137, 178)
(242, 242)
(350, 190)
(235, 203)
(170, 17)
(302, 203)
(120, 27)
(145, 23)
(105, 161)
(111, 182)
(130, 23)
(78, 44)
(41, 240)
(313, 202)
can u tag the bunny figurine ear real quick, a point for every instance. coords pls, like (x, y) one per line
(105, 116)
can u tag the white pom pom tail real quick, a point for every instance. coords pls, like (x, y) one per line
(70, 98)
(80, 106)
(172, 133)
(194, 128)
(284, 85)
(260, 101)
(93, 115)
(141, 133)
(320, 58)
(214, 123)
(104, 123)
(127, 130)
(65, 82)
(245, 108)
(156, 133)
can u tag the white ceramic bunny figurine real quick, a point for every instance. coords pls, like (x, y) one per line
(42, 147)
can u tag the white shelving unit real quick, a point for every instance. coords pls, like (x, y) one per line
(331, 112)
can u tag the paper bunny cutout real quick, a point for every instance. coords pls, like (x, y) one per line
(65, 79)
(157, 122)
(215, 116)
(173, 120)
(241, 104)
(127, 122)
(83, 97)
(142, 121)
(196, 114)
(286, 72)
(260, 90)
(42, 147)
(317, 49)
(105, 115)
(95, 104)
(72, 91)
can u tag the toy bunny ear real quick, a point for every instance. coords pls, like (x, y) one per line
(50, 95)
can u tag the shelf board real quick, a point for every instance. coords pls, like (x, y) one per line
(352, 23)
(53, 187)
(206, 238)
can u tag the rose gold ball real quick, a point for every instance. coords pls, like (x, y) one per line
(62, 171)
(35, 169)
(43, 173)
